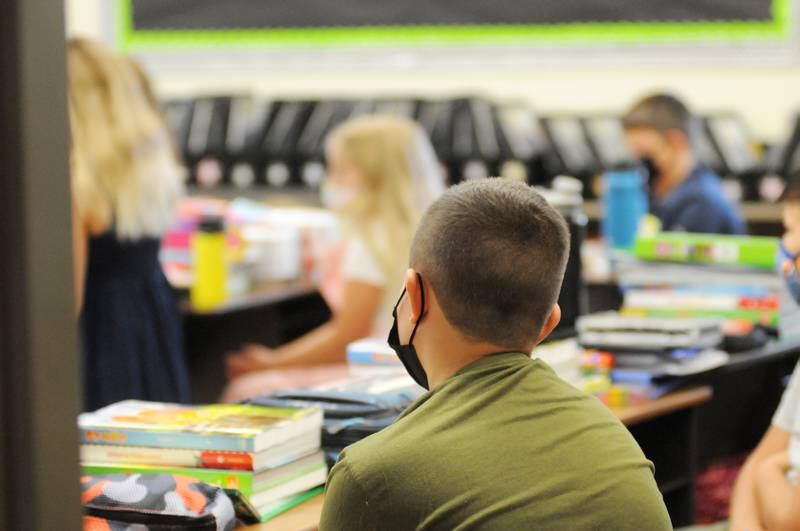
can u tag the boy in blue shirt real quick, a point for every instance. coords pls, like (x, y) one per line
(684, 195)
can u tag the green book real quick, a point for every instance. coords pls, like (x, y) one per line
(228, 479)
(250, 484)
(248, 514)
(281, 506)
(750, 251)
(761, 317)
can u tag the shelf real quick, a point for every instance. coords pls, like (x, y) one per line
(759, 212)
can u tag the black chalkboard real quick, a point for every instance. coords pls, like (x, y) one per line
(271, 14)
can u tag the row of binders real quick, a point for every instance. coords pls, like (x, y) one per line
(246, 141)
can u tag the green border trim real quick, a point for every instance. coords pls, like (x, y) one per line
(130, 39)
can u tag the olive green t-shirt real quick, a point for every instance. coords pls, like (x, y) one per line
(503, 444)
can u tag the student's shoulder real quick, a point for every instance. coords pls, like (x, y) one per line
(370, 454)
(363, 468)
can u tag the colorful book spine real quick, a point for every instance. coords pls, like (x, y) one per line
(769, 318)
(228, 479)
(697, 300)
(282, 506)
(100, 453)
(752, 251)
(373, 358)
(194, 441)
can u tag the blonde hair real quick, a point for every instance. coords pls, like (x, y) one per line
(125, 172)
(401, 178)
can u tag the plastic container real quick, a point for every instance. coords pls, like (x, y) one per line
(209, 287)
(274, 252)
(624, 202)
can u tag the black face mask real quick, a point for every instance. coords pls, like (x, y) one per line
(650, 168)
(407, 353)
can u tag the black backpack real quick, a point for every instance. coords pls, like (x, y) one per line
(349, 417)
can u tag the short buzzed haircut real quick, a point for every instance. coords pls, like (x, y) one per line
(661, 112)
(495, 253)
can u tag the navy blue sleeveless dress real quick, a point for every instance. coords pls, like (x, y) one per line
(130, 326)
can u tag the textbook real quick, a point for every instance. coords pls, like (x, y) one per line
(768, 318)
(271, 510)
(372, 352)
(752, 251)
(229, 427)
(623, 331)
(260, 488)
(654, 274)
(699, 299)
(272, 457)
(729, 292)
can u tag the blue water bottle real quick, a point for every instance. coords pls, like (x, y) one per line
(624, 202)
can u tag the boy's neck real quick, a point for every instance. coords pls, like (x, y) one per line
(444, 352)
(680, 171)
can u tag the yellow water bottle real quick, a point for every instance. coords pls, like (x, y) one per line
(209, 288)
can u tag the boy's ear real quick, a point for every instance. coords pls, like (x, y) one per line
(414, 294)
(550, 323)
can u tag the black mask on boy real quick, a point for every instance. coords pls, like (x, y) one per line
(407, 353)
(650, 167)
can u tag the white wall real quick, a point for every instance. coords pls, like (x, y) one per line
(85, 17)
(765, 90)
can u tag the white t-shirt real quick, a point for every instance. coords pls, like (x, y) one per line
(360, 265)
(787, 417)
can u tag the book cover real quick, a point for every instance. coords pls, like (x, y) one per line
(271, 510)
(231, 427)
(752, 251)
(697, 300)
(227, 479)
(371, 352)
(282, 480)
(763, 317)
(297, 485)
(697, 275)
(272, 457)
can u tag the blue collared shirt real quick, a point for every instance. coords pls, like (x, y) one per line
(698, 204)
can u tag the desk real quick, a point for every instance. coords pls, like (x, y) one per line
(674, 414)
(667, 431)
(301, 518)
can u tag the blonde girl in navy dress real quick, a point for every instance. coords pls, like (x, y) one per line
(126, 180)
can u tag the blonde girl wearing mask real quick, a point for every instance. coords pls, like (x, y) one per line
(126, 180)
(382, 175)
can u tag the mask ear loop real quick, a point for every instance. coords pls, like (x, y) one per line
(399, 300)
(421, 310)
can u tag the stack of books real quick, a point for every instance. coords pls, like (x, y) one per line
(702, 275)
(268, 456)
(652, 355)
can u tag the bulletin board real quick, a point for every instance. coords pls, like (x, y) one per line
(298, 24)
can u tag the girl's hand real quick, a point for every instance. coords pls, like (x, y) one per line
(251, 358)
